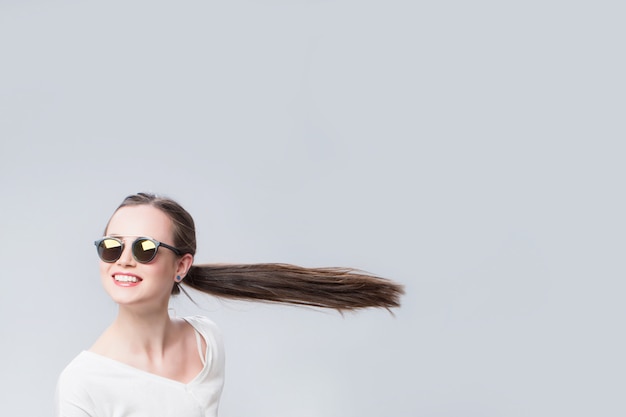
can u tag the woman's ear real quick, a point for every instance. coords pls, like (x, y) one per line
(184, 264)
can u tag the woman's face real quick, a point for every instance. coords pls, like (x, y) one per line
(131, 283)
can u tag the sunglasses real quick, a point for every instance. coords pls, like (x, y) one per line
(144, 249)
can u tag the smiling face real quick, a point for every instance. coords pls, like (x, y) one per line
(131, 283)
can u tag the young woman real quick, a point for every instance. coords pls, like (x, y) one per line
(149, 364)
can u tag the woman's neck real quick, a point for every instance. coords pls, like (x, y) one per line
(136, 332)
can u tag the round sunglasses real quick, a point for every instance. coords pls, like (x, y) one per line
(144, 249)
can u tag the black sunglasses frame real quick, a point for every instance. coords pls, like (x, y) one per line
(139, 239)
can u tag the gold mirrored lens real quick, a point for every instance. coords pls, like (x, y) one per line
(144, 250)
(110, 250)
(148, 245)
(111, 243)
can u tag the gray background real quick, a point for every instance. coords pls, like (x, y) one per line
(470, 150)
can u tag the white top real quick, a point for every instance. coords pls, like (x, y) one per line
(93, 385)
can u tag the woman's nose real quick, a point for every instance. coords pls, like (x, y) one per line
(127, 256)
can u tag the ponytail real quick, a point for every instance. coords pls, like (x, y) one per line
(336, 288)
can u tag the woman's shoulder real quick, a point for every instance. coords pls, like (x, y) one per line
(80, 362)
(86, 364)
(209, 330)
(76, 378)
(203, 324)
(213, 339)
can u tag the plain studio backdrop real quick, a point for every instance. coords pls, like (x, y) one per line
(473, 151)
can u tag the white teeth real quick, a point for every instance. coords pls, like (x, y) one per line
(125, 278)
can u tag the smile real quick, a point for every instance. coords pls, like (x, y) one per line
(126, 280)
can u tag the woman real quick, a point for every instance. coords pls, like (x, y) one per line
(149, 364)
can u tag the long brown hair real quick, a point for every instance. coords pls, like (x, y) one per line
(337, 288)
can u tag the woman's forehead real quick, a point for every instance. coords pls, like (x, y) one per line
(144, 220)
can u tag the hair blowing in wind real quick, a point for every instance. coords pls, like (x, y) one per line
(329, 287)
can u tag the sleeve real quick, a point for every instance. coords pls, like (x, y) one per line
(71, 400)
